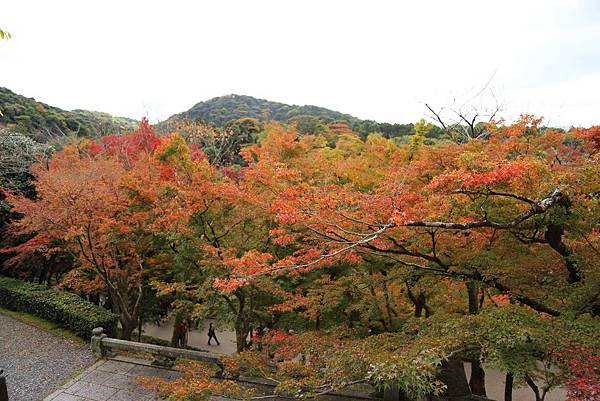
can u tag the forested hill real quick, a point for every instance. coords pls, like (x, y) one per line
(44, 121)
(221, 110)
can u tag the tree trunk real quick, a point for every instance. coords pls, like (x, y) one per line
(508, 386)
(472, 290)
(241, 325)
(388, 306)
(535, 388)
(419, 301)
(477, 380)
(241, 334)
(128, 315)
(175, 333)
(127, 327)
(43, 273)
(554, 237)
(452, 374)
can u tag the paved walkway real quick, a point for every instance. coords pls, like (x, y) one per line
(494, 385)
(111, 380)
(197, 338)
(35, 361)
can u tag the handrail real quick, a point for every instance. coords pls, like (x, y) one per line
(170, 352)
(102, 345)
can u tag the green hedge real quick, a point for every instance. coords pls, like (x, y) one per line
(64, 308)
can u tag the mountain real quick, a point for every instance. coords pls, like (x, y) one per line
(44, 121)
(221, 110)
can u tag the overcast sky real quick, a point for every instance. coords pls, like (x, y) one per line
(373, 59)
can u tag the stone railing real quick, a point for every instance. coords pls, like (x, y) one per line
(103, 346)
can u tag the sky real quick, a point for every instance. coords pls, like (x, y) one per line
(380, 60)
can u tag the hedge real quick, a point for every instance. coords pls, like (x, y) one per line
(64, 308)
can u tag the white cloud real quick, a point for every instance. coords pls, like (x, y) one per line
(376, 59)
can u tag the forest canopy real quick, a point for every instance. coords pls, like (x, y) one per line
(339, 259)
(222, 110)
(45, 122)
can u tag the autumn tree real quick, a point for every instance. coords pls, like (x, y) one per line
(217, 225)
(392, 263)
(221, 145)
(512, 214)
(83, 201)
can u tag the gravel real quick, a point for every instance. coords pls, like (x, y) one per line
(36, 362)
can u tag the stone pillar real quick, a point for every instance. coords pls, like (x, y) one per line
(96, 342)
(3, 389)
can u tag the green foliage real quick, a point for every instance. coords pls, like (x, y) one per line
(45, 122)
(309, 119)
(61, 307)
(422, 128)
(366, 127)
(17, 153)
(220, 110)
(5, 34)
(309, 125)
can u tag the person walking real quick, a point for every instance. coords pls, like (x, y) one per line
(212, 335)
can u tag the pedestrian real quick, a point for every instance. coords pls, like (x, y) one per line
(211, 334)
(181, 333)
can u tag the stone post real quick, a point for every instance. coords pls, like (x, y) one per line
(96, 342)
(3, 389)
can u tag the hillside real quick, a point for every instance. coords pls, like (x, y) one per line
(45, 121)
(221, 110)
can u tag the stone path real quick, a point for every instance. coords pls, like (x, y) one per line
(494, 385)
(35, 361)
(111, 380)
(197, 338)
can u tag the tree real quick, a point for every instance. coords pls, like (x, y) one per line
(5, 34)
(17, 153)
(368, 261)
(83, 200)
(221, 145)
(422, 128)
(511, 214)
(217, 227)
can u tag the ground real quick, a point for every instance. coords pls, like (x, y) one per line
(35, 361)
(110, 380)
(197, 338)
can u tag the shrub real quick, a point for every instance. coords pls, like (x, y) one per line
(64, 308)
